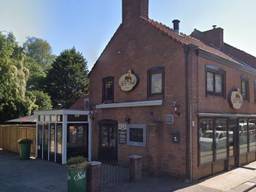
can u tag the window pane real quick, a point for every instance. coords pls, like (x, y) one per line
(252, 134)
(210, 82)
(156, 83)
(218, 83)
(108, 89)
(244, 89)
(221, 138)
(136, 135)
(243, 135)
(206, 140)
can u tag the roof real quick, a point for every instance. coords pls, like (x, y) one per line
(26, 119)
(79, 104)
(187, 40)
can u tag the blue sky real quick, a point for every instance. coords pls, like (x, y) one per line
(89, 25)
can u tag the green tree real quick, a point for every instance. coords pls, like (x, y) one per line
(39, 59)
(13, 79)
(41, 100)
(67, 79)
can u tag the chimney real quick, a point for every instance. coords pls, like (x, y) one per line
(176, 25)
(213, 37)
(134, 9)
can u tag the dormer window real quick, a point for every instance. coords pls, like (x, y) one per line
(108, 90)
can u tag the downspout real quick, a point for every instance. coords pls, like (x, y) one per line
(188, 50)
(187, 103)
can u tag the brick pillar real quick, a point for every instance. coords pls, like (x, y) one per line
(93, 176)
(135, 168)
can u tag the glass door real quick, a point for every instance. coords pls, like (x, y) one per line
(108, 142)
(77, 140)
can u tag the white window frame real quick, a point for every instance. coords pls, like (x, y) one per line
(139, 126)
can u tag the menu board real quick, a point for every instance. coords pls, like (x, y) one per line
(122, 133)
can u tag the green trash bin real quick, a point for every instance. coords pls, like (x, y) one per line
(77, 181)
(25, 146)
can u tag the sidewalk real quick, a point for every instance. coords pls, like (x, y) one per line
(237, 180)
(242, 179)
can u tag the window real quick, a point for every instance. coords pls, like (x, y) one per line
(136, 134)
(215, 82)
(245, 89)
(206, 140)
(243, 136)
(252, 134)
(221, 138)
(108, 90)
(156, 81)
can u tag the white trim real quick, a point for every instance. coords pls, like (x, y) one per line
(138, 126)
(130, 104)
(62, 112)
(64, 140)
(225, 115)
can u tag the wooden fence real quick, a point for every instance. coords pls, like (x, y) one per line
(9, 135)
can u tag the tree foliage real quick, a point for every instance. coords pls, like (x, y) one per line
(67, 79)
(39, 59)
(15, 100)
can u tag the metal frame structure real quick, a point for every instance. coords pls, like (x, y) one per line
(64, 123)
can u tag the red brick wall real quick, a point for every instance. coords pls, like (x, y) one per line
(139, 47)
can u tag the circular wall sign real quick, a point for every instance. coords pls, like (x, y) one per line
(128, 81)
(236, 99)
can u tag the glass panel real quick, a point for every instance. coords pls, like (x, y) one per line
(77, 118)
(59, 143)
(39, 141)
(206, 140)
(218, 83)
(53, 118)
(210, 87)
(156, 83)
(45, 148)
(252, 134)
(221, 138)
(77, 140)
(59, 118)
(232, 127)
(136, 135)
(243, 136)
(52, 142)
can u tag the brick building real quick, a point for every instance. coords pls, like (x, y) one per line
(184, 103)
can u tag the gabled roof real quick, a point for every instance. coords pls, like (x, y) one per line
(186, 40)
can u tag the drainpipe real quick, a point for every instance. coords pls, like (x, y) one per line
(189, 50)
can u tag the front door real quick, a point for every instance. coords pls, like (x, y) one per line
(108, 141)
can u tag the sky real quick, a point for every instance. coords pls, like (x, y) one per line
(89, 25)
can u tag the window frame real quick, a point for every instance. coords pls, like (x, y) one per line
(152, 71)
(215, 72)
(104, 99)
(136, 126)
(247, 87)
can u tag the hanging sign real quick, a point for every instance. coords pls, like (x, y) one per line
(236, 99)
(122, 133)
(128, 81)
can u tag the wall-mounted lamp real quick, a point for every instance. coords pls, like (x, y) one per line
(127, 120)
(176, 108)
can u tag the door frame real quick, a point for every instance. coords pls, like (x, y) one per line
(108, 122)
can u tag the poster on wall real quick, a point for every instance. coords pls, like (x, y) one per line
(122, 133)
